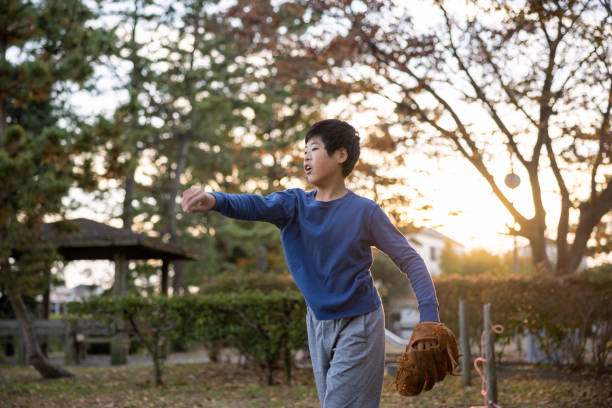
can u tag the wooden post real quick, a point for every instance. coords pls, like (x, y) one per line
(71, 355)
(120, 284)
(119, 342)
(466, 360)
(164, 277)
(489, 353)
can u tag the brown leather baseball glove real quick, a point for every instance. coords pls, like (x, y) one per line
(419, 370)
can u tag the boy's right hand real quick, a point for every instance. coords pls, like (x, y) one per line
(197, 200)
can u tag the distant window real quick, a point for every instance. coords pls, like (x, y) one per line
(432, 253)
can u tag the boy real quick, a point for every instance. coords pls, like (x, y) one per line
(327, 236)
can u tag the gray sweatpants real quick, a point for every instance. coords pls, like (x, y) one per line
(348, 359)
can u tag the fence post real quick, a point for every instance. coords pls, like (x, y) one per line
(70, 354)
(489, 353)
(465, 344)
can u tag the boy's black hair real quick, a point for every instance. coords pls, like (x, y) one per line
(336, 134)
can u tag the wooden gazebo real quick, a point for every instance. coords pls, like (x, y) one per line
(83, 239)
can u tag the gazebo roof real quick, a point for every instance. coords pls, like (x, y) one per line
(83, 239)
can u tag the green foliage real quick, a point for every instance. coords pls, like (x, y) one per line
(37, 158)
(394, 282)
(600, 272)
(36, 174)
(56, 46)
(262, 327)
(244, 282)
(562, 313)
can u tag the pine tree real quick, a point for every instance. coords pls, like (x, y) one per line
(44, 47)
(129, 133)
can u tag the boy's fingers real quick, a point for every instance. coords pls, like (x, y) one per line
(194, 200)
(424, 345)
(191, 204)
(187, 197)
(190, 198)
(185, 201)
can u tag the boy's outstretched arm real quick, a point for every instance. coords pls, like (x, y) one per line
(275, 208)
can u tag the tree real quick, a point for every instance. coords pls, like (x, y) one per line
(129, 133)
(197, 95)
(37, 167)
(232, 110)
(533, 77)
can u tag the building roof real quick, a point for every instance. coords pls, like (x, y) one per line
(434, 234)
(83, 239)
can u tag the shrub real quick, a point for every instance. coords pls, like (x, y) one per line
(561, 313)
(264, 327)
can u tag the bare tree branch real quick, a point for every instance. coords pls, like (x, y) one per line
(474, 156)
(604, 136)
(481, 95)
(502, 84)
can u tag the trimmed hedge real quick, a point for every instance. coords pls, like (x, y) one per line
(248, 282)
(561, 313)
(263, 327)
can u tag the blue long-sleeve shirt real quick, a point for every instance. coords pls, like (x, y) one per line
(328, 244)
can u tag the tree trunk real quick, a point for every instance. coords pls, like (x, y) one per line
(175, 184)
(2, 121)
(538, 254)
(177, 281)
(269, 371)
(158, 356)
(126, 217)
(533, 229)
(130, 186)
(590, 213)
(35, 356)
(164, 277)
(3, 104)
(44, 344)
(287, 360)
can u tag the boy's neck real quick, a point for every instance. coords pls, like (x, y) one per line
(331, 191)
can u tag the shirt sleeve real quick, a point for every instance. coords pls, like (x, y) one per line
(388, 239)
(276, 208)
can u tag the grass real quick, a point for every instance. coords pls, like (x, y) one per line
(228, 385)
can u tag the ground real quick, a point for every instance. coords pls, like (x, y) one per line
(231, 385)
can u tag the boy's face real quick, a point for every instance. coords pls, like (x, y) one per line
(319, 166)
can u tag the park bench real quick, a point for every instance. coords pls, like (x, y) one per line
(46, 331)
(81, 333)
(75, 335)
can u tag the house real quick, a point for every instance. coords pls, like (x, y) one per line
(61, 295)
(430, 244)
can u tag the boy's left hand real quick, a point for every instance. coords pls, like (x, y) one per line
(424, 344)
(431, 354)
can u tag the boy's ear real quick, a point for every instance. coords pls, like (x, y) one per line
(341, 155)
